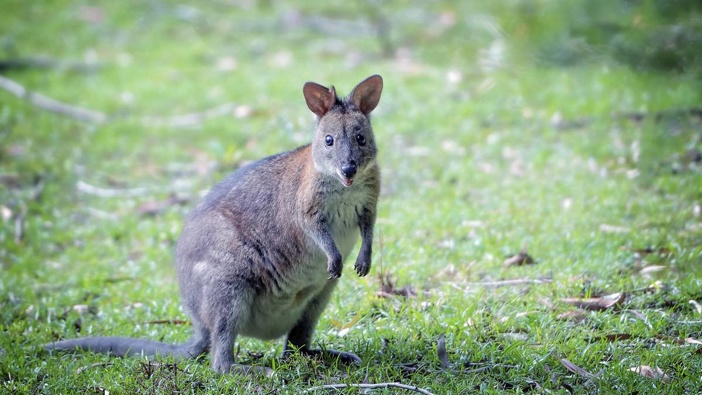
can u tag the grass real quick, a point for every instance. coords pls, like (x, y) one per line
(484, 151)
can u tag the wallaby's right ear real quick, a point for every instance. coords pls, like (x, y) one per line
(319, 99)
(366, 94)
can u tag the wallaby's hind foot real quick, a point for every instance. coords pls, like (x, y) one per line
(345, 358)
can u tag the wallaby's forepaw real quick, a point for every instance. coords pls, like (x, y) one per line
(334, 267)
(363, 263)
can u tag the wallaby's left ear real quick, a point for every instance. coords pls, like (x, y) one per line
(320, 99)
(366, 95)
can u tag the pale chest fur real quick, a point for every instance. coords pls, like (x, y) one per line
(275, 313)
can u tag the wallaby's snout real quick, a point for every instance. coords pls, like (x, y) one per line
(348, 170)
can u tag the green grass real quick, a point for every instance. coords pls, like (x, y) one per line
(483, 154)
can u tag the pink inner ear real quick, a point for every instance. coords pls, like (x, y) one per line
(319, 99)
(367, 94)
(330, 98)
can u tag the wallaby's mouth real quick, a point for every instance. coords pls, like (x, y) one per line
(345, 180)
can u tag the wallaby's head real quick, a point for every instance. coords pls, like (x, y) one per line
(343, 144)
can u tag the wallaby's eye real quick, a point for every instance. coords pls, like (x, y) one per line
(360, 139)
(329, 140)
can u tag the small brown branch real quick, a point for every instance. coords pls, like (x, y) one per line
(166, 322)
(190, 120)
(42, 62)
(96, 117)
(52, 105)
(370, 386)
(110, 192)
(504, 283)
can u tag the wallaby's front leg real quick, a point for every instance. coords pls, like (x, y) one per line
(319, 231)
(365, 222)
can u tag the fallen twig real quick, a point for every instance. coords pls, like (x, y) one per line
(110, 192)
(42, 62)
(168, 322)
(597, 304)
(97, 117)
(192, 119)
(369, 386)
(49, 104)
(516, 281)
(571, 367)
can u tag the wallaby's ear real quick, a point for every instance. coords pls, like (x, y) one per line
(366, 95)
(319, 99)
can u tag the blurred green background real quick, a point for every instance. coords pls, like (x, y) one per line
(568, 129)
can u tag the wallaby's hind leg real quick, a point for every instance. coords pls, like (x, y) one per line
(199, 343)
(300, 336)
(229, 306)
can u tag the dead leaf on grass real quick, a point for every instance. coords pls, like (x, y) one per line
(345, 325)
(652, 288)
(570, 366)
(597, 304)
(670, 340)
(522, 258)
(650, 372)
(652, 269)
(613, 337)
(696, 305)
(661, 251)
(388, 288)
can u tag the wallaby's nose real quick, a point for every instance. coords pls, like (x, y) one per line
(349, 169)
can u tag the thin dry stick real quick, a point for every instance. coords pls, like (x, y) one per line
(370, 386)
(84, 187)
(503, 283)
(41, 62)
(91, 116)
(49, 104)
(192, 119)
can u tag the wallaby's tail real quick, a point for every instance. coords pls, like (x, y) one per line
(124, 346)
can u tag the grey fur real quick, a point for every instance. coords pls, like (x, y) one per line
(261, 254)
